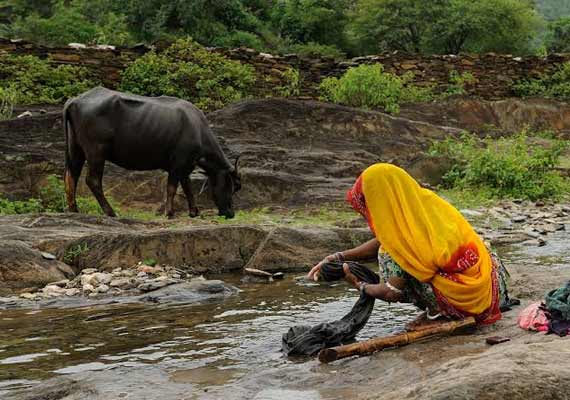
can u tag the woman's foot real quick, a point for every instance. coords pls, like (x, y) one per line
(423, 322)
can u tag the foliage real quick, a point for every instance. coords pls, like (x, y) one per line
(74, 251)
(8, 207)
(553, 9)
(555, 85)
(507, 167)
(36, 81)
(369, 87)
(558, 36)
(240, 39)
(292, 83)
(458, 82)
(7, 102)
(316, 50)
(444, 26)
(306, 21)
(187, 70)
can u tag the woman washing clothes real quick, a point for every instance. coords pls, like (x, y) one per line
(429, 255)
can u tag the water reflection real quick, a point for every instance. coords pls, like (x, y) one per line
(213, 343)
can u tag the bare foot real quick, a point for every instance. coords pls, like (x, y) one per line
(422, 322)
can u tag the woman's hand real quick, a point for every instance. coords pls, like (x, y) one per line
(349, 276)
(314, 272)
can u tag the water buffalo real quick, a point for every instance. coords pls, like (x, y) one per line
(144, 133)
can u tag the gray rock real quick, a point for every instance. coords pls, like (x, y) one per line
(87, 288)
(155, 284)
(102, 289)
(72, 292)
(519, 218)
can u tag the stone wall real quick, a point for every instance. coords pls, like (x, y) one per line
(494, 73)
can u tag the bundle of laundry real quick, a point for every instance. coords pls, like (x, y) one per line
(551, 315)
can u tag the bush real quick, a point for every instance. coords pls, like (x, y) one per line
(241, 39)
(36, 81)
(458, 82)
(507, 167)
(369, 87)
(316, 50)
(292, 83)
(555, 85)
(188, 71)
(52, 200)
(7, 102)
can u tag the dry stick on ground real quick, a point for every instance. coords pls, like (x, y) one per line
(402, 339)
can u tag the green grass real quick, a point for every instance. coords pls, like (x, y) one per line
(463, 198)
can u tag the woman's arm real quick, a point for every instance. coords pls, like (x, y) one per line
(365, 251)
(390, 291)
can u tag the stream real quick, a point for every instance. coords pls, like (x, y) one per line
(226, 348)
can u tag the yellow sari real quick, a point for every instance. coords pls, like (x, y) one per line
(430, 240)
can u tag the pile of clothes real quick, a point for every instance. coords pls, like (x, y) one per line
(551, 315)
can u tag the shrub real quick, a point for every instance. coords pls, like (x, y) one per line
(555, 85)
(316, 50)
(241, 39)
(507, 167)
(369, 87)
(8, 207)
(7, 101)
(36, 81)
(458, 82)
(187, 70)
(292, 83)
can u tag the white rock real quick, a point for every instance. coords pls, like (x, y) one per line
(25, 114)
(29, 296)
(103, 289)
(88, 288)
(120, 282)
(77, 45)
(88, 271)
(96, 279)
(61, 283)
(72, 292)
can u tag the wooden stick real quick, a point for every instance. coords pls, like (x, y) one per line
(402, 339)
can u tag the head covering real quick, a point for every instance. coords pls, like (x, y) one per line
(430, 240)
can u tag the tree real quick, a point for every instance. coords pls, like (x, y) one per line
(558, 36)
(445, 26)
(304, 21)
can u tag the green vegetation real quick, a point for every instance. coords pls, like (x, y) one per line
(51, 199)
(292, 83)
(31, 80)
(322, 216)
(321, 27)
(187, 70)
(369, 87)
(513, 167)
(72, 252)
(7, 102)
(458, 82)
(555, 85)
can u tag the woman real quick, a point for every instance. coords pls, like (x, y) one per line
(429, 254)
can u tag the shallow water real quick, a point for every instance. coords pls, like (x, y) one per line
(208, 345)
(228, 348)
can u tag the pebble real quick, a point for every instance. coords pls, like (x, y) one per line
(103, 289)
(28, 296)
(88, 271)
(72, 292)
(47, 256)
(88, 288)
(120, 282)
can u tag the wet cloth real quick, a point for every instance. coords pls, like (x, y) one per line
(534, 318)
(557, 304)
(304, 340)
(430, 240)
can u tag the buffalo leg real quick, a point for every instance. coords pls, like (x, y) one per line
(73, 167)
(187, 187)
(171, 187)
(95, 183)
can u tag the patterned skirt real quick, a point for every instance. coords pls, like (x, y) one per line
(421, 294)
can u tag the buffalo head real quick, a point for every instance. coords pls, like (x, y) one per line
(224, 183)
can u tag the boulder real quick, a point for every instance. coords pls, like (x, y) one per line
(22, 266)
